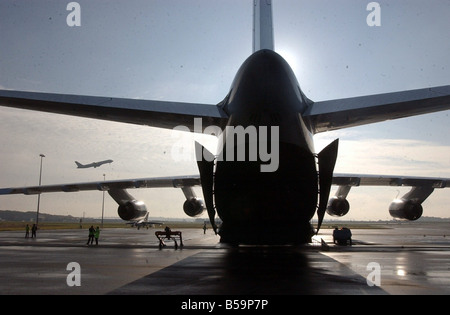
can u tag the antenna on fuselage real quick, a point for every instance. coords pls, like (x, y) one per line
(262, 25)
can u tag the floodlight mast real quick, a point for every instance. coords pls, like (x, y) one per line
(39, 194)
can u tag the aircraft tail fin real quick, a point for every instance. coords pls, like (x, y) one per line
(262, 25)
(78, 164)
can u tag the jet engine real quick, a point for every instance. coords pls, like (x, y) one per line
(129, 207)
(338, 207)
(409, 207)
(132, 210)
(193, 207)
(405, 210)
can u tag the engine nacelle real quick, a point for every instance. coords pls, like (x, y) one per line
(338, 206)
(405, 209)
(193, 207)
(132, 210)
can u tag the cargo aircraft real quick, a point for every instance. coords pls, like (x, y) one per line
(257, 203)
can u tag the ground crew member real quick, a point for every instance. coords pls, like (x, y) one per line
(168, 231)
(91, 235)
(33, 231)
(97, 235)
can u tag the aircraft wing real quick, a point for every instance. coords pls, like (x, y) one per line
(422, 187)
(356, 111)
(194, 180)
(156, 182)
(408, 207)
(389, 180)
(162, 114)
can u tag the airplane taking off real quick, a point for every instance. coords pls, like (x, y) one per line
(260, 197)
(93, 164)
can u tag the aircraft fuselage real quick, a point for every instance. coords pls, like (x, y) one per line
(275, 205)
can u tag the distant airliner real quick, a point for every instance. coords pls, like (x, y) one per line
(93, 164)
(255, 207)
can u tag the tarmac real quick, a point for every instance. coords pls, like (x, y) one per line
(400, 259)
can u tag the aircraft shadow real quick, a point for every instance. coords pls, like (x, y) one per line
(252, 271)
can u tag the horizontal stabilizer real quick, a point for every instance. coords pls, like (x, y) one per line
(356, 111)
(162, 114)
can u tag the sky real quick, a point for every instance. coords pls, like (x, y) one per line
(190, 51)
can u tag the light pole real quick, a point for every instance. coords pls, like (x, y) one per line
(103, 202)
(39, 195)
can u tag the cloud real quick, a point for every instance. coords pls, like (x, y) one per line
(394, 156)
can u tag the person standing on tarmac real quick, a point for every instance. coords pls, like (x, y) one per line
(33, 231)
(97, 235)
(91, 235)
(27, 231)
